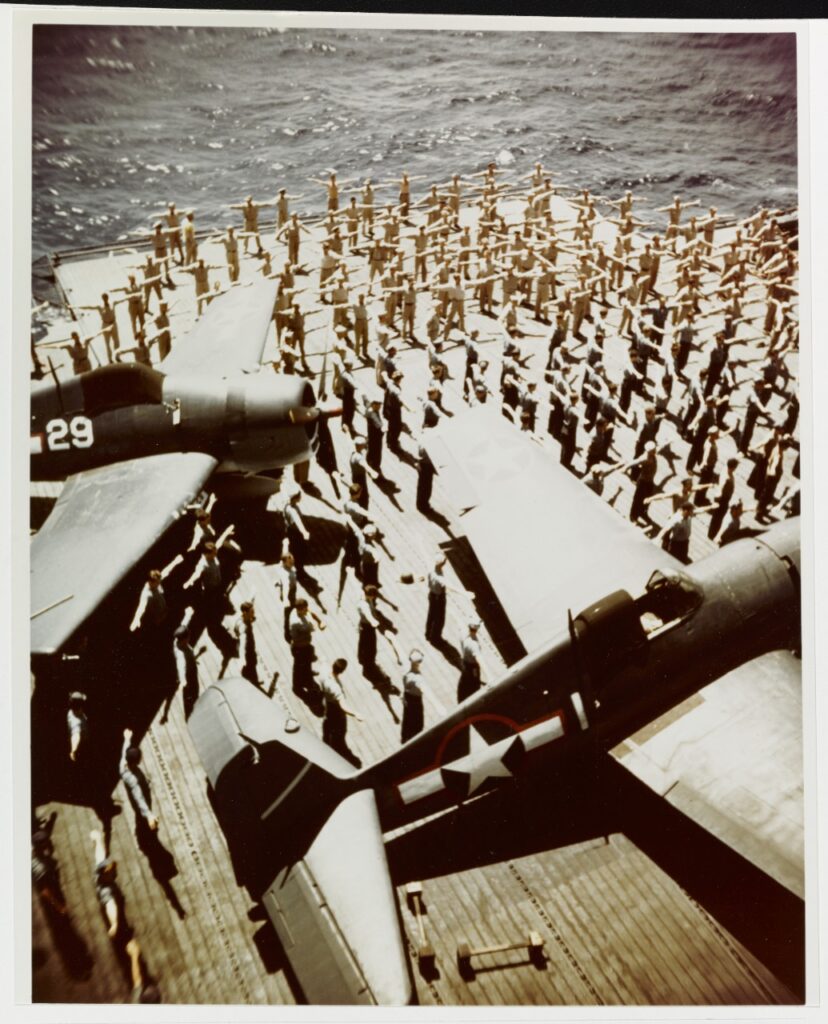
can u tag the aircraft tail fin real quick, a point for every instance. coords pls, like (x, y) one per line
(306, 840)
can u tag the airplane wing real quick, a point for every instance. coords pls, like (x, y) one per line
(230, 336)
(102, 524)
(547, 543)
(730, 758)
(336, 915)
(333, 905)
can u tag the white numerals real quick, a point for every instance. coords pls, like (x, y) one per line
(75, 433)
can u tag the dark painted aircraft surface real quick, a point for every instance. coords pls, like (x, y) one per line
(136, 445)
(594, 679)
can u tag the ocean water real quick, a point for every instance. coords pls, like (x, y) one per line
(127, 119)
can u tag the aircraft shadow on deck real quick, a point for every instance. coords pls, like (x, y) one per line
(259, 533)
(472, 577)
(39, 511)
(524, 820)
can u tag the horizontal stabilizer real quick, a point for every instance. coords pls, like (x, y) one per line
(336, 915)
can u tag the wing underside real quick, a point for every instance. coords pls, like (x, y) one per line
(104, 521)
(547, 543)
(230, 336)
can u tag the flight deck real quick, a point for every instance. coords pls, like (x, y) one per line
(634, 902)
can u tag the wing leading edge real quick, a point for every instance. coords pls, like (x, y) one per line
(104, 521)
(547, 543)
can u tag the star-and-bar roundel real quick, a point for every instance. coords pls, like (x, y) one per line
(479, 752)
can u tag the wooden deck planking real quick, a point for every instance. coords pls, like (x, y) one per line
(620, 954)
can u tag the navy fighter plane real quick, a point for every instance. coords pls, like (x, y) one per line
(651, 634)
(136, 445)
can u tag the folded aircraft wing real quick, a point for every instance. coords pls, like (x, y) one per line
(547, 543)
(336, 914)
(730, 758)
(104, 521)
(330, 900)
(230, 336)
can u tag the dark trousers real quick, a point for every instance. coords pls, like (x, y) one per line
(412, 716)
(303, 669)
(436, 617)
(425, 480)
(367, 646)
(469, 681)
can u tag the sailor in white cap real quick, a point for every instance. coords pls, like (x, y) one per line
(412, 713)
(470, 655)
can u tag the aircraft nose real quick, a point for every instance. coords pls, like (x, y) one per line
(784, 539)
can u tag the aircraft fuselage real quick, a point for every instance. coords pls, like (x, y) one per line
(250, 424)
(594, 690)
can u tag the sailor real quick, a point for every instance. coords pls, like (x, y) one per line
(135, 304)
(335, 711)
(356, 519)
(727, 486)
(210, 601)
(246, 639)
(647, 465)
(431, 408)
(361, 470)
(152, 280)
(392, 408)
(144, 989)
(200, 271)
(292, 232)
(569, 431)
(282, 212)
(77, 723)
(436, 615)
(79, 353)
(374, 426)
(250, 213)
(369, 625)
(367, 207)
(470, 655)
(231, 248)
(302, 624)
(425, 480)
(677, 533)
(349, 389)
(159, 248)
(106, 886)
(136, 783)
(163, 338)
(140, 349)
(46, 873)
(360, 315)
(412, 713)
(296, 533)
(327, 268)
(109, 324)
(186, 672)
(174, 232)
(472, 347)
(152, 612)
(286, 584)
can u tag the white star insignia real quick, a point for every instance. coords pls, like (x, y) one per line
(483, 761)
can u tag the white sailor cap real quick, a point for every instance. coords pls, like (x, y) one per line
(415, 657)
(474, 623)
